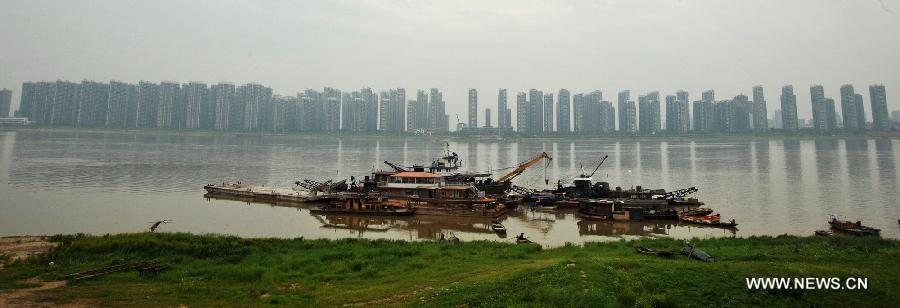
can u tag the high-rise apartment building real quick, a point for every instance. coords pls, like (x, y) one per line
(671, 122)
(743, 110)
(417, 112)
(849, 110)
(65, 103)
(535, 111)
(504, 113)
(167, 105)
(860, 111)
(148, 105)
(196, 105)
(36, 102)
(473, 108)
(630, 117)
(789, 108)
(624, 124)
(222, 98)
(92, 104)
(122, 105)
(578, 112)
(878, 101)
(487, 118)
(649, 119)
(563, 112)
(606, 117)
(331, 112)
(5, 102)
(548, 112)
(817, 100)
(760, 111)
(392, 114)
(522, 110)
(438, 120)
(677, 112)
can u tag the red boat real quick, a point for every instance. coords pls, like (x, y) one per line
(712, 220)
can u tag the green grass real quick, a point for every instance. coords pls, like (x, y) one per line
(220, 270)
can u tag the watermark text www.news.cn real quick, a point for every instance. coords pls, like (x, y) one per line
(807, 283)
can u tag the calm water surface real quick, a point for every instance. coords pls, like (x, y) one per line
(66, 182)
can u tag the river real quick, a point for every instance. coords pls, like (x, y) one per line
(110, 182)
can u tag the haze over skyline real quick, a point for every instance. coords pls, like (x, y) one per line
(727, 46)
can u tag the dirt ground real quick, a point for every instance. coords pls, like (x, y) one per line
(21, 247)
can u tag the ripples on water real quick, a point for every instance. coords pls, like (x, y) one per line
(63, 182)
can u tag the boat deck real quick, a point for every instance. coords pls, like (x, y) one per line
(265, 193)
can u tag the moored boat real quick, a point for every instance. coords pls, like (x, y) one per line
(267, 194)
(660, 214)
(594, 209)
(711, 220)
(698, 212)
(855, 228)
(498, 227)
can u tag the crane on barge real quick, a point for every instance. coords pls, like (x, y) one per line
(524, 166)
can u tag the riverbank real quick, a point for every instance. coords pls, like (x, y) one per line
(211, 270)
(775, 135)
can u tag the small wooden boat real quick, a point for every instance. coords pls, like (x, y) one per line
(710, 220)
(824, 233)
(650, 251)
(695, 253)
(855, 228)
(498, 227)
(521, 239)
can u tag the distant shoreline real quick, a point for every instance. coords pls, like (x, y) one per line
(800, 135)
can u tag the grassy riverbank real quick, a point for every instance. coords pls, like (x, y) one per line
(217, 270)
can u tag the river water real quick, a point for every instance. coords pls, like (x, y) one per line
(94, 182)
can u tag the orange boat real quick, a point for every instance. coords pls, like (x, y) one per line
(712, 220)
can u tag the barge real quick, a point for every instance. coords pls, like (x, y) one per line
(267, 194)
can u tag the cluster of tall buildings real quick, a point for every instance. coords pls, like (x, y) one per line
(253, 107)
(589, 113)
(224, 106)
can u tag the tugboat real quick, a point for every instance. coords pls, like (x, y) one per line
(855, 228)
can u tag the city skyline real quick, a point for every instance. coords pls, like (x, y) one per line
(195, 105)
(427, 44)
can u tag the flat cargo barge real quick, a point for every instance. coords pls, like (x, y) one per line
(261, 193)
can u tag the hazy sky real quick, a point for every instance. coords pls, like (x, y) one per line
(728, 46)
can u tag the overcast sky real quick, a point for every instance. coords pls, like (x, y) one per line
(728, 46)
